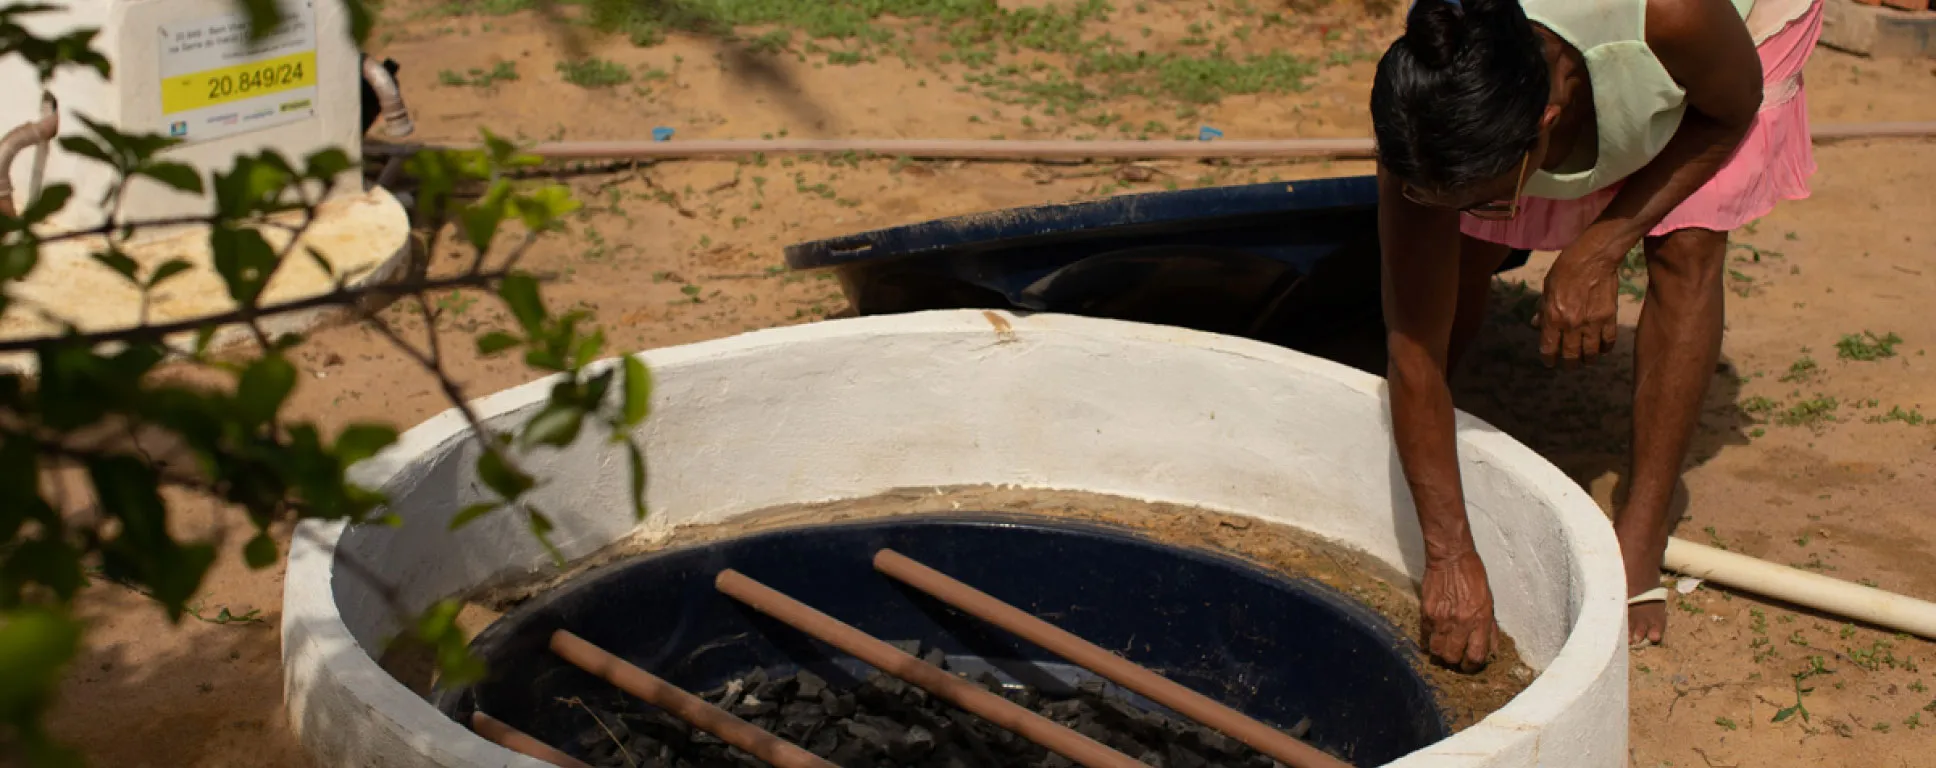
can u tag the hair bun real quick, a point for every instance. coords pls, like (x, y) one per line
(1435, 31)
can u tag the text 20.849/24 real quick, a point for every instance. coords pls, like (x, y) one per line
(265, 79)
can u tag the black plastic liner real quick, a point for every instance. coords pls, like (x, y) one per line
(1281, 650)
(1290, 263)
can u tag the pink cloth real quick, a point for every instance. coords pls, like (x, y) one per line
(1772, 164)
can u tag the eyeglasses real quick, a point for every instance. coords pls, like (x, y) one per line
(1500, 210)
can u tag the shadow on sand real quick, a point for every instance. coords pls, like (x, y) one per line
(1579, 419)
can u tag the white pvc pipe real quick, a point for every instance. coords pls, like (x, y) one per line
(1810, 590)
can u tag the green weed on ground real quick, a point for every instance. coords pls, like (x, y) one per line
(1809, 413)
(1911, 416)
(1801, 370)
(483, 7)
(504, 72)
(1197, 79)
(977, 34)
(1867, 347)
(594, 73)
(1633, 274)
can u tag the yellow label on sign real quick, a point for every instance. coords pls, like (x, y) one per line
(209, 88)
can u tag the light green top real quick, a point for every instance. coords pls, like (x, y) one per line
(1636, 104)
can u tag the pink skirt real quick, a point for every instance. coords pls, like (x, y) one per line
(1772, 164)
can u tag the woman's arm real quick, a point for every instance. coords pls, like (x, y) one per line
(1706, 47)
(1421, 277)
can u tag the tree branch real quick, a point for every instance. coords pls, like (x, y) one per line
(341, 296)
(108, 228)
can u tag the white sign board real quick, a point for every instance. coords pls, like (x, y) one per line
(215, 83)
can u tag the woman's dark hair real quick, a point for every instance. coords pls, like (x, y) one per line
(1457, 99)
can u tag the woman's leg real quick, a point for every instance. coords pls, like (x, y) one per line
(1679, 343)
(1478, 260)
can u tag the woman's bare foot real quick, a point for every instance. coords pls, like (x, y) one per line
(1646, 622)
(1642, 551)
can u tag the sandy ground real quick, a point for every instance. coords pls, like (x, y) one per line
(680, 252)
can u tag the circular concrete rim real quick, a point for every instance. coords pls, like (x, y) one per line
(324, 663)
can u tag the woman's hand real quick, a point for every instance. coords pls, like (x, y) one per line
(1457, 606)
(1578, 316)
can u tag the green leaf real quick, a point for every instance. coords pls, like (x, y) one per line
(473, 512)
(543, 209)
(498, 475)
(361, 441)
(179, 176)
(501, 151)
(520, 292)
(144, 552)
(168, 269)
(587, 348)
(327, 164)
(116, 260)
(316, 257)
(255, 184)
(18, 258)
(265, 17)
(85, 147)
(178, 576)
(480, 224)
(260, 552)
(245, 261)
(126, 151)
(46, 561)
(126, 489)
(263, 387)
(204, 336)
(361, 20)
(1787, 712)
(77, 387)
(19, 480)
(436, 176)
(557, 425)
(36, 645)
(596, 387)
(437, 629)
(495, 342)
(638, 391)
(543, 359)
(541, 527)
(50, 55)
(635, 461)
(52, 199)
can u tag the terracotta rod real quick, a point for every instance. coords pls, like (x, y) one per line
(520, 742)
(931, 149)
(1903, 130)
(893, 661)
(1128, 674)
(1051, 149)
(685, 706)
